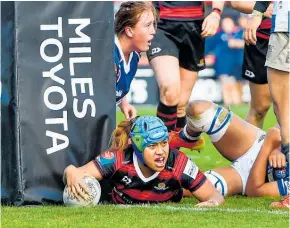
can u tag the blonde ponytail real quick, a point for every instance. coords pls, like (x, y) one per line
(120, 136)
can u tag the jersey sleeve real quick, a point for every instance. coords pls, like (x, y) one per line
(262, 6)
(192, 178)
(106, 163)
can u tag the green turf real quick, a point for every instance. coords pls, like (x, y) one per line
(237, 211)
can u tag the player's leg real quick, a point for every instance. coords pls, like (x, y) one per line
(188, 79)
(279, 88)
(260, 104)
(166, 70)
(226, 179)
(231, 135)
(255, 72)
(278, 65)
(191, 61)
(163, 56)
(233, 180)
(263, 179)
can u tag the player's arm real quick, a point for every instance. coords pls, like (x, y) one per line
(129, 110)
(211, 23)
(248, 7)
(256, 185)
(208, 195)
(243, 6)
(196, 182)
(102, 166)
(254, 21)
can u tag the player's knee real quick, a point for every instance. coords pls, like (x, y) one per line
(260, 110)
(170, 96)
(218, 181)
(204, 116)
(196, 108)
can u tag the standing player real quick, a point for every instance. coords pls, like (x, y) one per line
(134, 30)
(147, 171)
(253, 67)
(177, 54)
(277, 60)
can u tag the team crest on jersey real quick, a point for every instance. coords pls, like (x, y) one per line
(161, 186)
(118, 72)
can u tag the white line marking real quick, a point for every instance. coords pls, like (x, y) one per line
(228, 210)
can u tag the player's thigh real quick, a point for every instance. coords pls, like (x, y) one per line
(238, 138)
(163, 56)
(191, 56)
(278, 84)
(166, 71)
(260, 96)
(188, 80)
(232, 178)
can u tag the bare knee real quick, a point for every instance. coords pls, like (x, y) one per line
(169, 95)
(196, 108)
(260, 111)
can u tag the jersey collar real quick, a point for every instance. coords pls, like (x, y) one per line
(139, 172)
(126, 65)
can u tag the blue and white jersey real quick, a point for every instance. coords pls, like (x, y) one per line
(125, 72)
(280, 17)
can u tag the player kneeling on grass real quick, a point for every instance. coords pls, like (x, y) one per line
(146, 170)
(258, 167)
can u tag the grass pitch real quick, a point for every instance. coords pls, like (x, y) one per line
(237, 211)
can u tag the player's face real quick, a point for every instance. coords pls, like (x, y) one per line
(155, 155)
(143, 32)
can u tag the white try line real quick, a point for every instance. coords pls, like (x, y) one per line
(228, 210)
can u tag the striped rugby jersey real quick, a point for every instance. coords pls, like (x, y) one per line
(131, 187)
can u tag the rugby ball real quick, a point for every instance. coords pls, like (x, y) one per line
(94, 188)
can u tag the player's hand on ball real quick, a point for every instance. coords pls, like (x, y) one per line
(277, 159)
(76, 186)
(208, 203)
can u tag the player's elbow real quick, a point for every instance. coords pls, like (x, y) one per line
(253, 191)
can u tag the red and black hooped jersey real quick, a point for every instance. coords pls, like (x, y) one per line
(180, 10)
(131, 187)
(264, 29)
